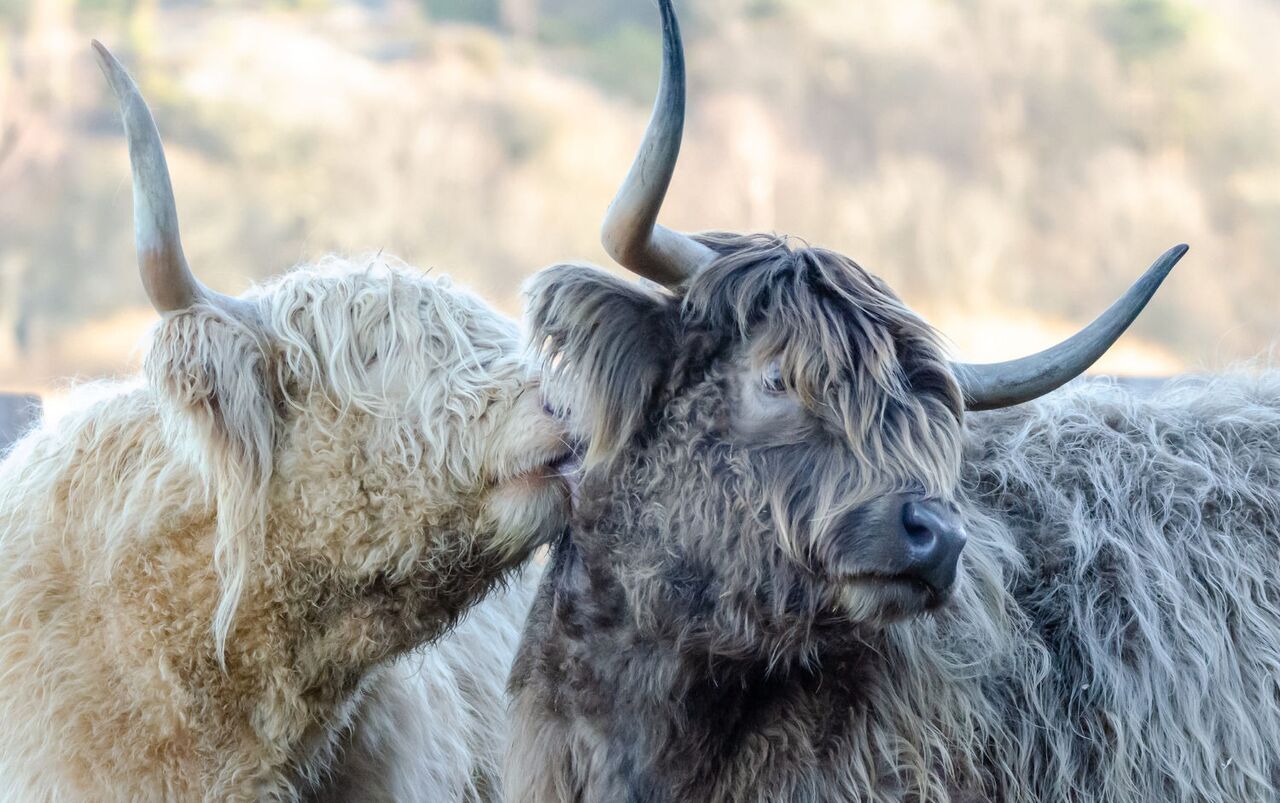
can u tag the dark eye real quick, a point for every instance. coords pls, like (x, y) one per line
(771, 379)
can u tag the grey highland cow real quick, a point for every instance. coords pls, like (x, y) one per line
(798, 570)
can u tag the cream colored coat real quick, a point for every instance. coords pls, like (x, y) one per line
(214, 579)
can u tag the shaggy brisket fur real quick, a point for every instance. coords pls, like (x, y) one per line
(1114, 635)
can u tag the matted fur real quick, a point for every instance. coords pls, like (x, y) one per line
(1114, 634)
(212, 577)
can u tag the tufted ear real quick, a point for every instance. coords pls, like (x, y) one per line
(212, 368)
(607, 345)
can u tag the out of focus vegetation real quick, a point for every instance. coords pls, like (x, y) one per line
(1008, 165)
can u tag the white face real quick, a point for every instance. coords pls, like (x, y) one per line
(520, 447)
(527, 500)
(426, 397)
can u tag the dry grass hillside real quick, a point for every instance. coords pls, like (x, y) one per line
(1008, 165)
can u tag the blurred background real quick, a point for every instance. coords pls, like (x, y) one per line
(1009, 166)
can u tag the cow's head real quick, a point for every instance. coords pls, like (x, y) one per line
(370, 434)
(774, 437)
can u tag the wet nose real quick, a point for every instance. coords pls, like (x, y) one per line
(933, 537)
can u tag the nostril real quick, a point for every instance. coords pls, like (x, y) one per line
(917, 526)
(933, 539)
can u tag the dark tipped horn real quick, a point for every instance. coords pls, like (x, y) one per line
(631, 233)
(988, 387)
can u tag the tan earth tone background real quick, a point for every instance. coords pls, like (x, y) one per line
(1008, 165)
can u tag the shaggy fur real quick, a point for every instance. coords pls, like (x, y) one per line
(713, 629)
(211, 578)
(429, 727)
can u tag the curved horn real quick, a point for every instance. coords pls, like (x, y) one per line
(169, 282)
(1004, 384)
(631, 233)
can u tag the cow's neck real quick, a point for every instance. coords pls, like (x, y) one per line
(297, 659)
(667, 721)
(261, 706)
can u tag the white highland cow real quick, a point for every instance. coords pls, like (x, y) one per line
(213, 579)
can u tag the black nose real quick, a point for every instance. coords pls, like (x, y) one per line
(933, 537)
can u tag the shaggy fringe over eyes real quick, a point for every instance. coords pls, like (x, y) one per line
(850, 351)
(356, 339)
(853, 353)
(352, 340)
(606, 345)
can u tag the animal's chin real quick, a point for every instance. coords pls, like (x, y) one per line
(526, 512)
(532, 506)
(887, 599)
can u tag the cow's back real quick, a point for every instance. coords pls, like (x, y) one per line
(1139, 536)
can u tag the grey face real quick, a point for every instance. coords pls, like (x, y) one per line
(776, 442)
(773, 448)
(894, 555)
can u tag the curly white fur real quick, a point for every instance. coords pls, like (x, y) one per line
(212, 577)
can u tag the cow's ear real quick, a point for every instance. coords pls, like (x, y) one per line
(607, 345)
(213, 370)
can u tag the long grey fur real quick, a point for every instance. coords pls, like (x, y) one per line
(1114, 636)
